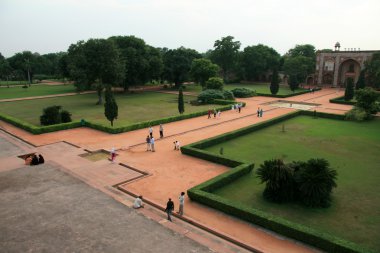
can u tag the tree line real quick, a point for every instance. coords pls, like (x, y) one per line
(125, 61)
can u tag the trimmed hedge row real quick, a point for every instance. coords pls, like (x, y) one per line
(202, 193)
(286, 96)
(113, 130)
(36, 129)
(340, 100)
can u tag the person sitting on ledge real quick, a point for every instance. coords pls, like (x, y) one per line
(34, 160)
(138, 203)
(41, 159)
(28, 160)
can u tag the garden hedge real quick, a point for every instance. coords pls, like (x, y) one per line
(340, 100)
(203, 193)
(113, 130)
(286, 96)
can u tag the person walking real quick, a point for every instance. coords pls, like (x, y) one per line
(239, 108)
(261, 112)
(209, 113)
(219, 113)
(258, 111)
(113, 155)
(152, 144)
(151, 131)
(181, 203)
(148, 147)
(169, 208)
(214, 113)
(161, 131)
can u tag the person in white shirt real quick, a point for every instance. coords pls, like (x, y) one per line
(151, 131)
(152, 144)
(138, 203)
(181, 203)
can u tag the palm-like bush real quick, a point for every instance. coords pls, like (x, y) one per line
(315, 181)
(279, 180)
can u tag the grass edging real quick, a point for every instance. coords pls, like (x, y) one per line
(202, 193)
(340, 100)
(113, 130)
(288, 95)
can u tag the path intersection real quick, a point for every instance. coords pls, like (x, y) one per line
(162, 174)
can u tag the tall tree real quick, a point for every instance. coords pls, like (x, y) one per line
(5, 68)
(95, 61)
(360, 84)
(300, 61)
(142, 62)
(258, 60)
(177, 64)
(293, 82)
(349, 92)
(299, 66)
(110, 105)
(181, 104)
(225, 54)
(274, 84)
(24, 64)
(202, 69)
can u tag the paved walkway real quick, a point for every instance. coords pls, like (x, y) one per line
(168, 172)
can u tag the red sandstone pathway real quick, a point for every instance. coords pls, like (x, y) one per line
(169, 171)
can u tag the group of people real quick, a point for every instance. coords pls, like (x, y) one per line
(260, 112)
(237, 107)
(215, 112)
(150, 143)
(34, 159)
(169, 205)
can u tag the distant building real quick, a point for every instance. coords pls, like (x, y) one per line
(333, 68)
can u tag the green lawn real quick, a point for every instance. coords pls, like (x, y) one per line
(133, 108)
(10, 83)
(352, 148)
(259, 88)
(35, 90)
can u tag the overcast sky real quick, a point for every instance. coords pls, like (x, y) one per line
(47, 26)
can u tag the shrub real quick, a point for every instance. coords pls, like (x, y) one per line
(243, 92)
(207, 96)
(53, 115)
(65, 116)
(315, 180)
(214, 83)
(356, 114)
(274, 84)
(367, 100)
(279, 180)
(228, 95)
(310, 182)
(349, 92)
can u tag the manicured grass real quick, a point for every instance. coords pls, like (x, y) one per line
(10, 83)
(133, 108)
(35, 90)
(352, 148)
(259, 88)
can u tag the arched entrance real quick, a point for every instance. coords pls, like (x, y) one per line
(327, 79)
(349, 68)
(310, 80)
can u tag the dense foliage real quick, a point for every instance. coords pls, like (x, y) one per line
(349, 92)
(275, 82)
(53, 115)
(111, 109)
(243, 92)
(207, 96)
(309, 182)
(367, 103)
(202, 69)
(181, 104)
(373, 70)
(214, 83)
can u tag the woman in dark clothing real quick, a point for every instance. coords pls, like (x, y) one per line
(34, 160)
(41, 159)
